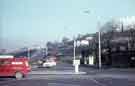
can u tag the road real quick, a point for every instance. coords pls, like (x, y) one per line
(94, 77)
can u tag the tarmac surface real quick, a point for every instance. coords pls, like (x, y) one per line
(63, 75)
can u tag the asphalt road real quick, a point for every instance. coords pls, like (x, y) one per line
(94, 77)
(69, 82)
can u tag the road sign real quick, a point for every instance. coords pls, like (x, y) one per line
(76, 62)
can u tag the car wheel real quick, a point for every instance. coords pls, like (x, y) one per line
(18, 75)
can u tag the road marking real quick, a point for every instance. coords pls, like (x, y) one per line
(98, 83)
(61, 84)
(69, 72)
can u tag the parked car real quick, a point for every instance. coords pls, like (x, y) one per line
(11, 66)
(49, 63)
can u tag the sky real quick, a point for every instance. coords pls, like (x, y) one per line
(34, 22)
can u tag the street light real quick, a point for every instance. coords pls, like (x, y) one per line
(99, 40)
(74, 49)
(46, 50)
(28, 53)
(99, 46)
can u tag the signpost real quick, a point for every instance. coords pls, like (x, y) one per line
(76, 63)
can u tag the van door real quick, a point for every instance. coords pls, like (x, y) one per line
(4, 67)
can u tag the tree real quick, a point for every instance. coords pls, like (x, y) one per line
(65, 40)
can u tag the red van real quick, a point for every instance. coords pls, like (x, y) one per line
(11, 66)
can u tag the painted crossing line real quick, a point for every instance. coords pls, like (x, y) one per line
(61, 84)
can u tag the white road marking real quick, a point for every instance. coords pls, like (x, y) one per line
(61, 84)
(97, 82)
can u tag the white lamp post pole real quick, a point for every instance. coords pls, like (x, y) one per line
(99, 41)
(46, 50)
(99, 47)
(74, 49)
(28, 53)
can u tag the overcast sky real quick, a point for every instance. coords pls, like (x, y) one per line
(34, 22)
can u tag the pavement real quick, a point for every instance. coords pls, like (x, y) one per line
(64, 72)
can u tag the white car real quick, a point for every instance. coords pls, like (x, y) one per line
(49, 63)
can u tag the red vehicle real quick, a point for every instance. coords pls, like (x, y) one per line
(11, 66)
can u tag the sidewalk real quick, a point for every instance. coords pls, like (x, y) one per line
(96, 70)
(64, 72)
(81, 75)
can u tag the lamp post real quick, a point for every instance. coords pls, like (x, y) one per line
(99, 48)
(74, 49)
(46, 50)
(99, 40)
(28, 53)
